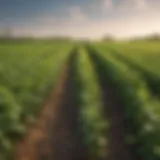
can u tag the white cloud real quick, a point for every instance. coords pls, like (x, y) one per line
(76, 14)
(131, 5)
(135, 25)
(131, 17)
(141, 4)
(108, 4)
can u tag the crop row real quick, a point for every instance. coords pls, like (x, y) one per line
(27, 72)
(142, 114)
(92, 122)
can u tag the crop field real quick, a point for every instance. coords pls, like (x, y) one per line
(66, 100)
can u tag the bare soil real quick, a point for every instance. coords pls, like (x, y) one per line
(56, 135)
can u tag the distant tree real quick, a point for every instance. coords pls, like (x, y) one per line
(6, 33)
(151, 37)
(154, 37)
(108, 38)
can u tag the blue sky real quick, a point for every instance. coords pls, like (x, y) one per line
(80, 18)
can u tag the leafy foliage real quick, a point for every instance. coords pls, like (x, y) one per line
(142, 111)
(27, 72)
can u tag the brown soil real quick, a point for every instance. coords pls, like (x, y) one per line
(56, 135)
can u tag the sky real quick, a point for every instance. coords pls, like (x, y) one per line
(80, 18)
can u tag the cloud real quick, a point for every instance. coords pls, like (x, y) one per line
(133, 5)
(133, 25)
(72, 16)
(107, 4)
(47, 24)
(43, 20)
(76, 14)
(130, 17)
(141, 4)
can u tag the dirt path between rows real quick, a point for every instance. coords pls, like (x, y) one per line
(115, 114)
(56, 135)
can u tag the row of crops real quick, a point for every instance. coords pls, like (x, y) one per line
(28, 71)
(93, 124)
(144, 57)
(142, 109)
(144, 54)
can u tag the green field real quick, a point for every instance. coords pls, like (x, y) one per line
(117, 89)
(142, 110)
(27, 72)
